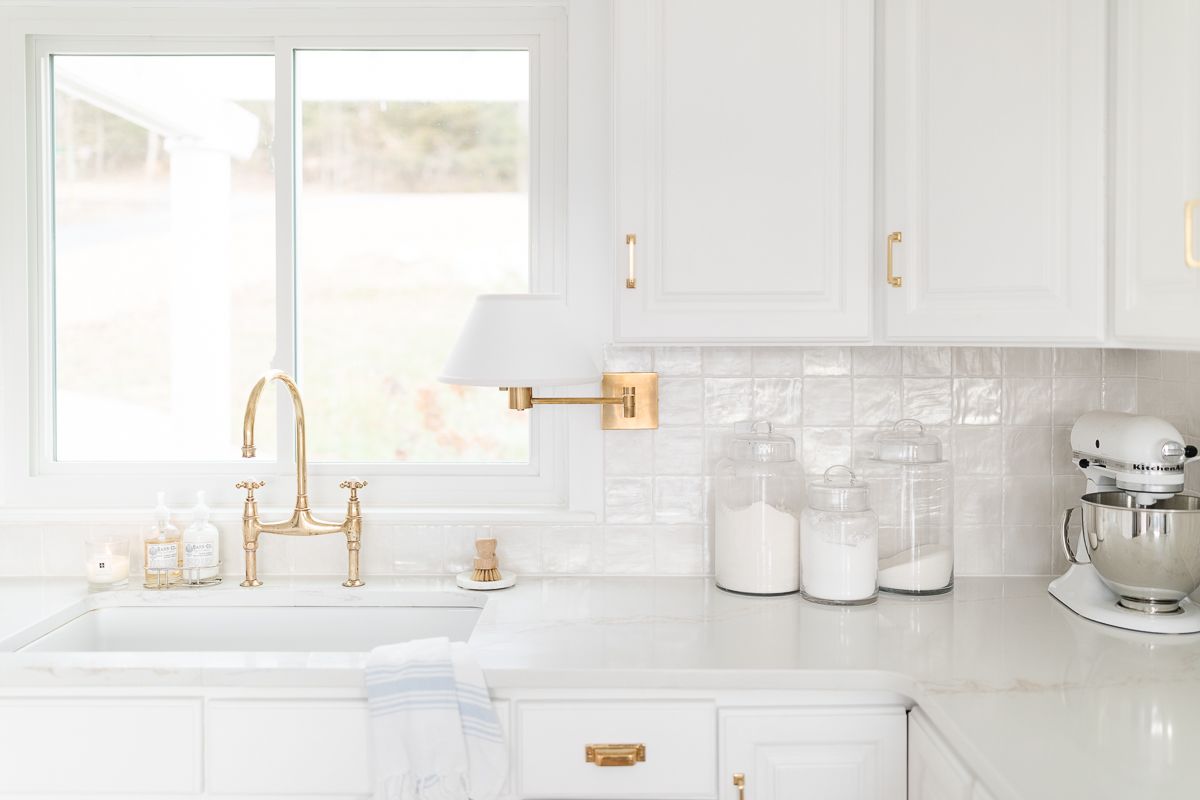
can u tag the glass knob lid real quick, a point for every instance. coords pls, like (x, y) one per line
(839, 489)
(908, 442)
(758, 441)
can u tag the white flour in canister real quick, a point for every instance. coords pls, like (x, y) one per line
(924, 568)
(839, 555)
(757, 549)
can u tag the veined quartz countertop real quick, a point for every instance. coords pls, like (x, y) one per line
(1039, 702)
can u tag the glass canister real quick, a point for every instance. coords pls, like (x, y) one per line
(839, 540)
(759, 495)
(915, 500)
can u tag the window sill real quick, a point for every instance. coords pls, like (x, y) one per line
(470, 515)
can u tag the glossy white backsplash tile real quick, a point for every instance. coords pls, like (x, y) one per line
(727, 400)
(680, 401)
(774, 360)
(927, 360)
(1168, 386)
(977, 361)
(629, 500)
(627, 453)
(928, 400)
(828, 401)
(688, 362)
(976, 401)
(1004, 414)
(827, 361)
(779, 400)
(877, 360)
(676, 451)
(1028, 362)
(1119, 363)
(731, 361)
(571, 550)
(876, 400)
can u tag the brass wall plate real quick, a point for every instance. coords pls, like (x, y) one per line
(645, 385)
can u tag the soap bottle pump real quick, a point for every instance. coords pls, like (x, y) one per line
(161, 548)
(201, 547)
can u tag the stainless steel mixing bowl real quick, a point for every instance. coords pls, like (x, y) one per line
(1149, 556)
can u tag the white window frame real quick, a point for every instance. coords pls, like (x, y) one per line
(562, 478)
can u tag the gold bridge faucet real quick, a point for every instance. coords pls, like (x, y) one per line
(301, 522)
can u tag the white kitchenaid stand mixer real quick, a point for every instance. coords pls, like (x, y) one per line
(1144, 457)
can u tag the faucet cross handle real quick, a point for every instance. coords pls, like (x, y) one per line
(354, 484)
(250, 486)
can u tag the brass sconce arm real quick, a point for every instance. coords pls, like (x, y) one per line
(636, 393)
(522, 399)
(521, 341)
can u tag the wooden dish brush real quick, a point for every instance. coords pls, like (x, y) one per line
(487, 567)
(486, 574)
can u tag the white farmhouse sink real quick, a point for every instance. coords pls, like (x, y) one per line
(254, 628)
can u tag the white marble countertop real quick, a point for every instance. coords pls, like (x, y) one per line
(1040, 702)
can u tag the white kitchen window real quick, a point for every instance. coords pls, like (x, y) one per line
(211, 195)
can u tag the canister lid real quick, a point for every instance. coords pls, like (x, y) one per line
(908, 442)
(839, 490)
(757, 441)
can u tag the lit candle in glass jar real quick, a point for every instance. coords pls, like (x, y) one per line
(107, 562)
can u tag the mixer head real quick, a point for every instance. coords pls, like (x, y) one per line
(1144, 456)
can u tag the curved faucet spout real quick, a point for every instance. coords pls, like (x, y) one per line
(248, 450)
(301, 522)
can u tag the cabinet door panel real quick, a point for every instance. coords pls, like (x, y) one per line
(288, 747)
(92, 746)
(834, 755)
(1157, 135)
(744, 168)
(994, 142)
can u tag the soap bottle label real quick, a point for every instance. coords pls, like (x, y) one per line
(199, 554)
(162, 556)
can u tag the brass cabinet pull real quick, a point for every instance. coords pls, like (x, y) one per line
(894, 280)
(615, 755)
(631, 277)
(1189, 248)
(739, 780)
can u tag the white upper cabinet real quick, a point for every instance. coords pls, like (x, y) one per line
(994, 145)
(744, 169)
(1157, 146)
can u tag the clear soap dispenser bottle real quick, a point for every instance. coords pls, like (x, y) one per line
(201, 547)
(161, 548)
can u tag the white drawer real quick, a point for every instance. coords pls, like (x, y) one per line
(680, 740)
(291, 747)
(85, 745)
(287, 748)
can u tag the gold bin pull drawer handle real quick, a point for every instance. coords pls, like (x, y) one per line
(615, 755)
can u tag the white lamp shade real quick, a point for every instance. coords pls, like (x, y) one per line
(519, 340)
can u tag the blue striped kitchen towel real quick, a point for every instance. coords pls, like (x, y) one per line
(435, 735)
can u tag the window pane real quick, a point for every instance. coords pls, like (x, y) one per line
(414, 173)
(164, 287)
